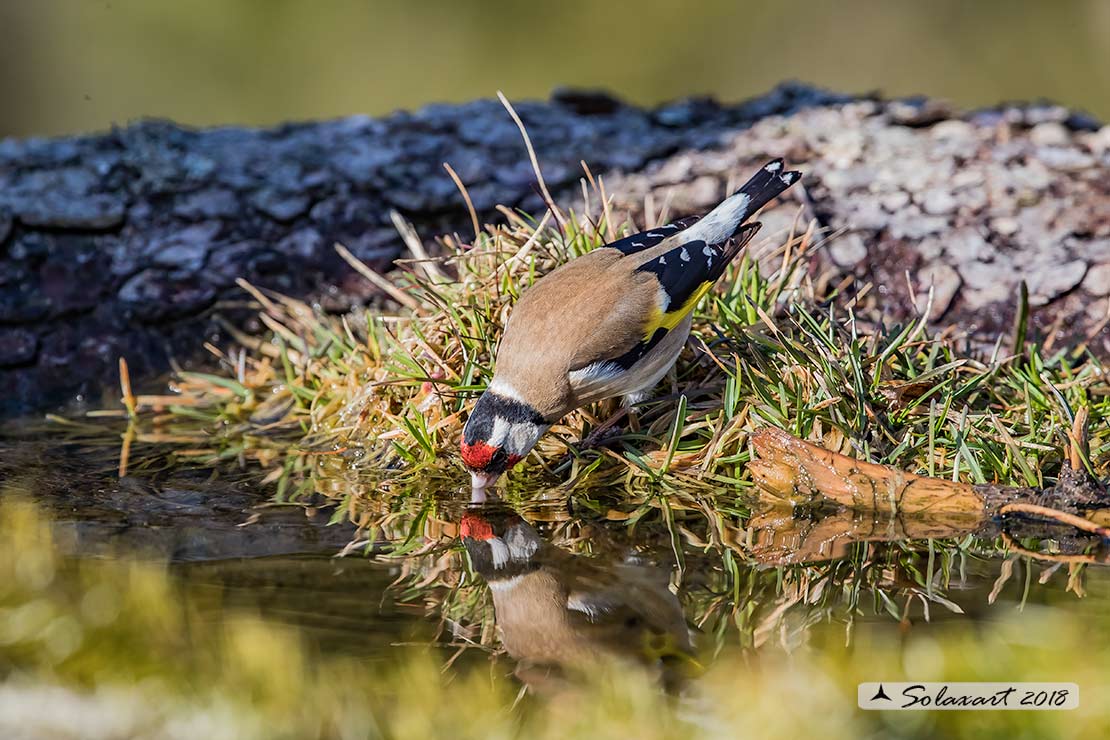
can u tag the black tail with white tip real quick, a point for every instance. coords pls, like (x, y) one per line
(723, 221)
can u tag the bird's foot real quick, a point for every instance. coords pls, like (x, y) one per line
(607, 431)
(600, 437)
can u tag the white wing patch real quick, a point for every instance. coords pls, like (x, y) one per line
(720, 223)
(684, 255)
(597, 381)
(593, 373)
(662, 298)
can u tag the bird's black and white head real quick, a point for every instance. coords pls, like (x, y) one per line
(500, 543)
(501, 430)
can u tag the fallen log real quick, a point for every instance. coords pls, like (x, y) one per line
(895, 504)
(793, 470)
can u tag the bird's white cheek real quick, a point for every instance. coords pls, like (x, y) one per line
(500, 433)
(517, 438)
(523, 437)
(499, 552)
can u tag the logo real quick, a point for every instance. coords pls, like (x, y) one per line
(934, 696)
(880, 694)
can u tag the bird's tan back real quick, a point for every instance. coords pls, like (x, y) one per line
(593, 306)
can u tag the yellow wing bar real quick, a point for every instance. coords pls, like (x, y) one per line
(670, 319)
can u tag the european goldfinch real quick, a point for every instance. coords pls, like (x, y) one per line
(609, 323)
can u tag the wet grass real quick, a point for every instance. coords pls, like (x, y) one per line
(360, 415)
(365, 407)
(363, 413)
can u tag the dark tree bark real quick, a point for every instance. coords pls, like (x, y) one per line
(125, 243)
(121, 243)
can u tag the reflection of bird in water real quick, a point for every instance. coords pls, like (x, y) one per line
(556, 610)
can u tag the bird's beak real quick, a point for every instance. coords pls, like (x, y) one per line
(479, 482)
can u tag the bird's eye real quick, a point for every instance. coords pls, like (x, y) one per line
(500, 457)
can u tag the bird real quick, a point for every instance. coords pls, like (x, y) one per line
(608, 323)
(558, 612)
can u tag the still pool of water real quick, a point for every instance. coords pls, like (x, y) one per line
(546, 587)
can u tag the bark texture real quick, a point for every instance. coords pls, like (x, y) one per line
(126, 243)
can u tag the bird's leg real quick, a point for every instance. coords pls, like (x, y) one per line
(607, 430)
(633, 420)
(598, 436)
(631, 400)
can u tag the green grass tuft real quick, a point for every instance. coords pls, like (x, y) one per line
(385, 392)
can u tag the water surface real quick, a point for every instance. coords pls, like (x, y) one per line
(546, 585)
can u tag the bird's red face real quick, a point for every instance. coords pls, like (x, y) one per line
(486, 462)
(483, 456)
(500, 543)
(498, 434)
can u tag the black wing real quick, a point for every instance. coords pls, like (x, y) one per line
(651, 237)
(686, 273)
(767, 184)
(689, 270)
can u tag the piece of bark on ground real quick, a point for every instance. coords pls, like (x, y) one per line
(790, 469)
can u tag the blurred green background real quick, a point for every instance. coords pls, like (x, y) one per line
(80, 65)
